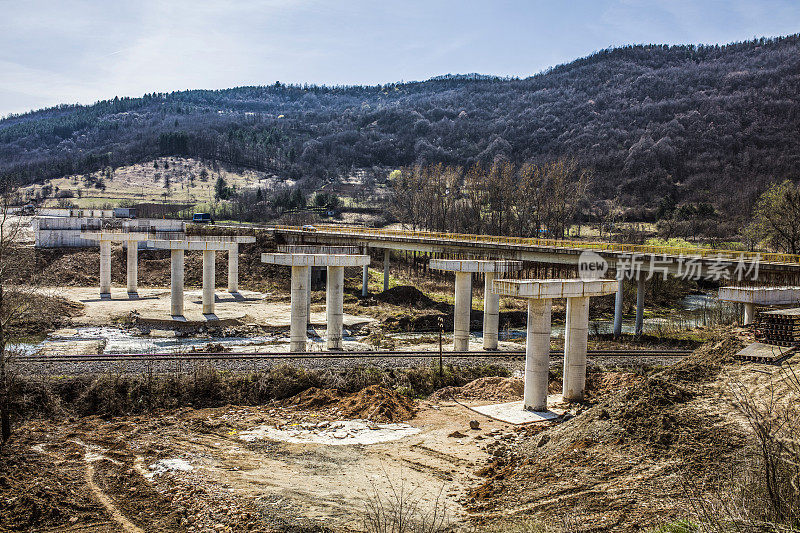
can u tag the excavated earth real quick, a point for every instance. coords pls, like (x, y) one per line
(621, 461)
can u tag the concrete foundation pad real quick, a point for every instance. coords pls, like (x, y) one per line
(513, 413)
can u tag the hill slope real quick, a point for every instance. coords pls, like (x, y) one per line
(711, 123)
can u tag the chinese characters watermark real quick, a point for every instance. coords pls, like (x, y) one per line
(592, 265)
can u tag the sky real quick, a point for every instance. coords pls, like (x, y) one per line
(66, 51)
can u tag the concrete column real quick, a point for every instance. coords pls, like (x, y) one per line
(233, 268)
(133, 268)
(749, 313)
(639, 304)
(176, 283)
(576, 338)
(618, 310)
(298, 333)
(491, 314)
(537, 355)
(334, 300)
(105, 269)
(461, 312)
(365, 281)
(386, 255)
(308, 296)
(209, 279)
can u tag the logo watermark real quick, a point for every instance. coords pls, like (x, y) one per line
(592, 265)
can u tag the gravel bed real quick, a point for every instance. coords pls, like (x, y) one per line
(515, 365)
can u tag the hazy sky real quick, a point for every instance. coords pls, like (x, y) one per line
(55, 52)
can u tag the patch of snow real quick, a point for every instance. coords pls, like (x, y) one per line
(338, 433)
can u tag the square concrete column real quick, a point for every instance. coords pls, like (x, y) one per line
(365, 280)
(233, 268)
(298, 333)
(576, 339)
(133, 268)
(639, 305)
(386, 255)
(618, 310)
(537, 355)
(209, 279)
(176, 283)
(334, 300)
(749, 313)
(308, 295)
(462, 311)
(105, 269)
(491, 313)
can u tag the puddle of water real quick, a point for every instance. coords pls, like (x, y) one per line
(337, 433)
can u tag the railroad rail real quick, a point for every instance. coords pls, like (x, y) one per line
(265, 356)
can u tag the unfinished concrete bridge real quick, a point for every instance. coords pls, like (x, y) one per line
(628, 261)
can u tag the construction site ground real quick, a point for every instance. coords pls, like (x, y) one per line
(627, 459)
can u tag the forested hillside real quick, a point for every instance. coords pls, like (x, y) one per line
(657, 125)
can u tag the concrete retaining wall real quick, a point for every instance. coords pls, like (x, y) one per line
(65, 232)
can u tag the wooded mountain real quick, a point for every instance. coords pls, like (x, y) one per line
(656, 124)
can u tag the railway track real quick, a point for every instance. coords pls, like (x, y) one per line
(270, 356)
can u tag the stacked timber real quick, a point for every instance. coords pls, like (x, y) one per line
(780, 327)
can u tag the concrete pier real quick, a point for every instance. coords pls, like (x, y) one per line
(576, 338)
(176, 283)
(386, 255)
(639, 305)
(133, 268)
(463, 297)
(618, 309)
(209, 280)
(334, 299)
(233, 268)
(364, 281)
(308, 295)
(462, 311)
(209, 246)
(298, 331)
(765, 296)
(537, 350)
(105, 269)
(539, 294)
(106, 239)
(491, 313)
(301, 264)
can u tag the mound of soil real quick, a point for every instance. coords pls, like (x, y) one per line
(406, 295)
(314, 398)
(494, 388)
(376, 403)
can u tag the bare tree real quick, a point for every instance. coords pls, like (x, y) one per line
(16, 295)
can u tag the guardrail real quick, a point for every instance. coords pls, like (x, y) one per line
(710, 253)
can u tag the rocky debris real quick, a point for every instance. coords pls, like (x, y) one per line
(474, 424)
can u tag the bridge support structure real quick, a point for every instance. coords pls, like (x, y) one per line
(387, 253)
(209, 246)
(301, 264)
(618, 309)
(463, 297)
(540, 294)
(640, 288)
(105, 240)
(765, 296)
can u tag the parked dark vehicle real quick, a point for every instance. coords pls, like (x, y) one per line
(202, 218)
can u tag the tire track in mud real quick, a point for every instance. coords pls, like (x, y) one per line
(89, 458)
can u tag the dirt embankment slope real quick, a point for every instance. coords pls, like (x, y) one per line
(623, 463)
